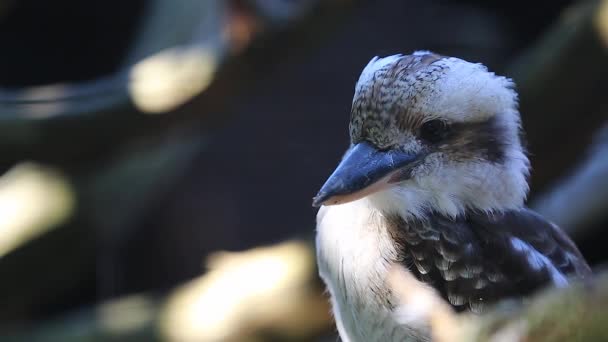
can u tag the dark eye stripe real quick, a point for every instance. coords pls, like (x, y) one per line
(434, 131)
(487, 139)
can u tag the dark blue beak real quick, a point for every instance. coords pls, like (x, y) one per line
(359, 173)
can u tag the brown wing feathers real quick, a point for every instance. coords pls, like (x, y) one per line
(480, 259)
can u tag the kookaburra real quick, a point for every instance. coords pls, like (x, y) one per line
(434, 179)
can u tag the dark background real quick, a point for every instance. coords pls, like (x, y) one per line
(235, 165)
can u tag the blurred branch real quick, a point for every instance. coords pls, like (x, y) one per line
(113, 187)
(33, 199)
(43, 122)
(111, 198)
(245, 296)
(273, 292)
(36, 202)
(577, 313)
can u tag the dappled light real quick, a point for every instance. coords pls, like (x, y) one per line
(263, 289)
(126, 315)
(33, 199)
(169, 78)
(601, 22)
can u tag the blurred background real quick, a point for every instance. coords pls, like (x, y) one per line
(158, 157)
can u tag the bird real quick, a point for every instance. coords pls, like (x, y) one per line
(434, 179)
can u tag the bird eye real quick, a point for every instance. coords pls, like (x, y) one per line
(434, 131)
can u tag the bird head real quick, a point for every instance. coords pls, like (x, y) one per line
(431, 132)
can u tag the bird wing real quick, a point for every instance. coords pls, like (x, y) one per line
(482, 258)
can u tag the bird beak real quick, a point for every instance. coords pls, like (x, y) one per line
(364, 170)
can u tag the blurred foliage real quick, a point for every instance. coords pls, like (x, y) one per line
(245, 296)
(576, 313)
